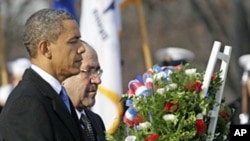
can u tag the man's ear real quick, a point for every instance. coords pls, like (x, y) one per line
(45, 48)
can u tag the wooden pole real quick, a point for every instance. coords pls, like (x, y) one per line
(145, 42)
(3, 68)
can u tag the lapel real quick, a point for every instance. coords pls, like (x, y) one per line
(96, 125)
(70, 121)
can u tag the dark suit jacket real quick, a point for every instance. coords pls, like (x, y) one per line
(97, 124)
(35, 112)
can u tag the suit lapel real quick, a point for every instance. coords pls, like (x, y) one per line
(65, 116)
(96, 124)
(58, 106)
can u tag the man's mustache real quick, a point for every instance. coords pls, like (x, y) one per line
(93, 88)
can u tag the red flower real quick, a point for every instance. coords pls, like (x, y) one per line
(193, 86)
(138, 120)
(152, 137)
(133, 122)
(171, 107)
(200, 127)
(214, 76)
(223, 114)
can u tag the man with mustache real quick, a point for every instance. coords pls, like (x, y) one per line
(82, 90)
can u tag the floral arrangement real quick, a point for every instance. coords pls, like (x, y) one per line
(167, 104)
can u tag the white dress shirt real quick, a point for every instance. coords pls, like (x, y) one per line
(53, 82)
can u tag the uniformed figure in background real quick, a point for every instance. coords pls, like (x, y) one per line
(244, 62)
(16, 69)
(173, 56)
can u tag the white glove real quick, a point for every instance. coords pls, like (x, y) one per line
(243, 118)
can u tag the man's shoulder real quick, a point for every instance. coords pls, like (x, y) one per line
(89, 111)
(93, 114)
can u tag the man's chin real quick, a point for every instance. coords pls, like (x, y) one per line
(92, 103)
(89, 103)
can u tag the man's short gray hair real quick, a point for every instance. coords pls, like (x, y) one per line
(45, 24)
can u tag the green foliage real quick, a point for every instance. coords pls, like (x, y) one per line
(177, 110)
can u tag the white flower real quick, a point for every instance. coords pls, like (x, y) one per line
(144, 125)
(199, 116)
(190, 71)
(180, 93)
(130, 138)
(160, 75)
(171, 86)
(166, 88)
(160, 91)
(169, 117)
(224, 137)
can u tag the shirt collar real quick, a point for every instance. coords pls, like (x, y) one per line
(79, 113)
(54, 83)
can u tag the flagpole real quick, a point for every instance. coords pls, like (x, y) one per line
(145, 42)
(3, 68)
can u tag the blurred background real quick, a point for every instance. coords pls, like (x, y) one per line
(189, 24)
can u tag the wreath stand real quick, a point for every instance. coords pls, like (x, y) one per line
(215, 56)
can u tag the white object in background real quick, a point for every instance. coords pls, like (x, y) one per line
(244, 61)
(224, 57)
(4, 93)
(243, 118)
(99, 27)
(16, 69)
(18, 66)
(174, 53)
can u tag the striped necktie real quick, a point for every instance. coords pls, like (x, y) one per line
(65, 98)
(87, 127)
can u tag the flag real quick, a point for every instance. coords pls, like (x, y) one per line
(67, 5)
(99, 26)
(125, 3)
